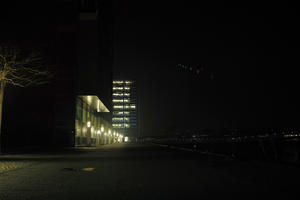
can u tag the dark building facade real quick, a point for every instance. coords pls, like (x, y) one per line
(72, 35)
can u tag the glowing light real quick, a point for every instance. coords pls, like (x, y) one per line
(109, 132)
(118, 82)
(117, 88)
(118, 100)
(88, 124)
(89, 99)
(117, 125)
(102, 129)
(118, 94)
(98, 132)
(117, 119)
(126, 139)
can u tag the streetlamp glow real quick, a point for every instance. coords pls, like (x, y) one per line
(102, 129)
(88, 124)
(98, 132)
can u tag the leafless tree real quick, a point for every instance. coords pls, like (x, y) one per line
(20, 69)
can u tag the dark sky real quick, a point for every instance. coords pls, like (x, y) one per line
(249, 48)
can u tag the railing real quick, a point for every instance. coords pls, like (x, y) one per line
(282, 148)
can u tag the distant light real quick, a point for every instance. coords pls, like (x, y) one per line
(126, 139)
(98, 105)
(109, 132)
(89, 99)
(88, 124)
(98, 132)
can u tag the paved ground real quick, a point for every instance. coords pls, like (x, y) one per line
(131, 171)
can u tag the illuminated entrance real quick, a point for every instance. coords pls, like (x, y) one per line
(90, 126)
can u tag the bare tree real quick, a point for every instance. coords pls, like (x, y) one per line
(20, 69)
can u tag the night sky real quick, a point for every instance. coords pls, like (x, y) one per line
(250, 50)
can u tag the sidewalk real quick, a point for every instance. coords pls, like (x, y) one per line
(6, 166)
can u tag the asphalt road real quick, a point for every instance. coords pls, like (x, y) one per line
(133, 171)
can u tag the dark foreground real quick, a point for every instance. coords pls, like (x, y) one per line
(132, 171)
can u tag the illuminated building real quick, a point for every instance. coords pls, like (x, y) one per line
(76, 38)
(125, 107)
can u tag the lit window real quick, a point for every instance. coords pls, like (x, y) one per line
(118, 113)
(117, 88)
(117, 100)
(117, 119)
(128, 82)
(117, 125)
(118, 82)
(126, 100)
(117, 94)
(127, 88)
(118, 106)
(126, 94)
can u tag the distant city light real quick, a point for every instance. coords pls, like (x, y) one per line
(126, 139)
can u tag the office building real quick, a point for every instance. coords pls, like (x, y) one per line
(125, 107)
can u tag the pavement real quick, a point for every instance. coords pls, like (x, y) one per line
(140, 171)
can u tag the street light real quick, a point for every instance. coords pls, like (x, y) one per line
(102, 129)
(88, 124)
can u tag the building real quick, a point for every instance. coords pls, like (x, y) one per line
(125, 107)
(75, 109)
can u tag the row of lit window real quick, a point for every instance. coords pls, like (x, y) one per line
(121, 100)
(121, 94)
(121, 88)
(121, 82)
(121, 119)
(126, 107)
(121, 125)
(121, 113)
